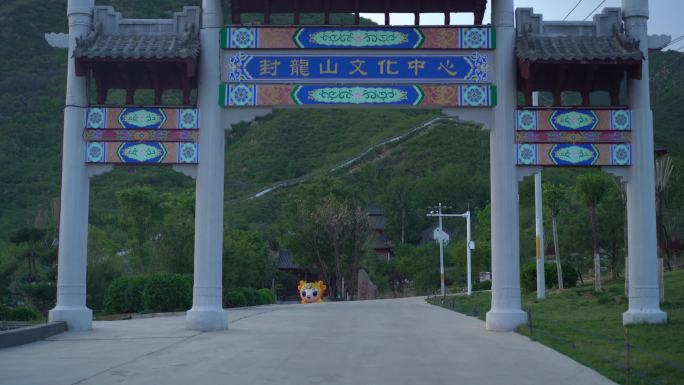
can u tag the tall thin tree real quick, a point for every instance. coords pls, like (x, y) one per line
(555, 197)
(592, 189)
(663, 172)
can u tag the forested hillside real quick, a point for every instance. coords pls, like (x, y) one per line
(142, 218)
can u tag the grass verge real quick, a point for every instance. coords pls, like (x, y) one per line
(587, 326)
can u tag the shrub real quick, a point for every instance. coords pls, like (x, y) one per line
(189, 279)
(266, 296)
(528, 276)
(4, 313)
(167, 292)
(570, 276)
(247, 296)
(24, 314)
(485, 285)
(124, 295)
(252, 295)
(234, 298)
(42, 295)
(603, 298)
(101, 274)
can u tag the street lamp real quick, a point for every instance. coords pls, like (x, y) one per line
(442, 237)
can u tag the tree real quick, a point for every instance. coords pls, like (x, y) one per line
(400, 203)
(592, 188)
(612, 224)
(663, 172)
(246, 260)
(176, 243)
(419, 264)
(31, 236)
(325, 227)
(140, 213)
(555, 197)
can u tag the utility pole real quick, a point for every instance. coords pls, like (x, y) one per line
(442, 237)
(539, 224)
(469, 248)
(539, 230)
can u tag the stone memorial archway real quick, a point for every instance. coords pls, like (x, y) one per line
(241, 72)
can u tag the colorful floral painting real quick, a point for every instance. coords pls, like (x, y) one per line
(432, 96)
(359, 37)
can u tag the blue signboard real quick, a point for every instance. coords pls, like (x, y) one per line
(457, 68)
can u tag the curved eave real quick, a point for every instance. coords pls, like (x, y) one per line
(83, 63)
(524, 65)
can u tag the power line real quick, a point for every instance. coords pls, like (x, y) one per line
(674, 41)
(572, 10)
(595, 9)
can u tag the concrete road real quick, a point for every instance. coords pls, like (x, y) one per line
(393, 342)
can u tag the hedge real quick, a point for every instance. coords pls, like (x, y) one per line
(20, 313)
(528, 276)
(163, 292)
(267, 296)
(124, 295)
(234, 298)
(247, 296)
(167, 292)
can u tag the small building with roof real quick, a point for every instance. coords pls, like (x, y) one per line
(379, 241)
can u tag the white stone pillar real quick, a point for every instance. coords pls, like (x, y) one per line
(644, 306)
(73, 222)
(506, 313)
(207, 306)
(539, 236)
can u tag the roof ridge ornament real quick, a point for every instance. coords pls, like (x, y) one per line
(627, 42)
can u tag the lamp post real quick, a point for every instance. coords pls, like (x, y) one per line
(442, 237)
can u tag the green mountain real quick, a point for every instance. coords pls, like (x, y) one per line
(447, 161)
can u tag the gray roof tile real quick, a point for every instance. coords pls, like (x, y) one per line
(116, 37)
(139, 47)
(576, 48)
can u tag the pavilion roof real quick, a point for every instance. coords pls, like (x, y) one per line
(114, 37)
(139, 47)
(602, 39)
(576, 48)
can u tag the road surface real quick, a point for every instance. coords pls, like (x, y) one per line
(393, 342)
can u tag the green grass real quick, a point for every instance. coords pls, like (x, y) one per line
(587, 326)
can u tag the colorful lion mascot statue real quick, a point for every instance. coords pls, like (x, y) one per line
(311, 292)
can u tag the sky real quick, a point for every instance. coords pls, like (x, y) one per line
(667, 16)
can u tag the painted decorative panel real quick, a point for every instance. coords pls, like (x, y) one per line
(573, 120)
(356, 37)
(159, 135)
(141, 153)
(240, 67)
(142, 118)
(574, 154)
(271, 95)
(573, 136)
